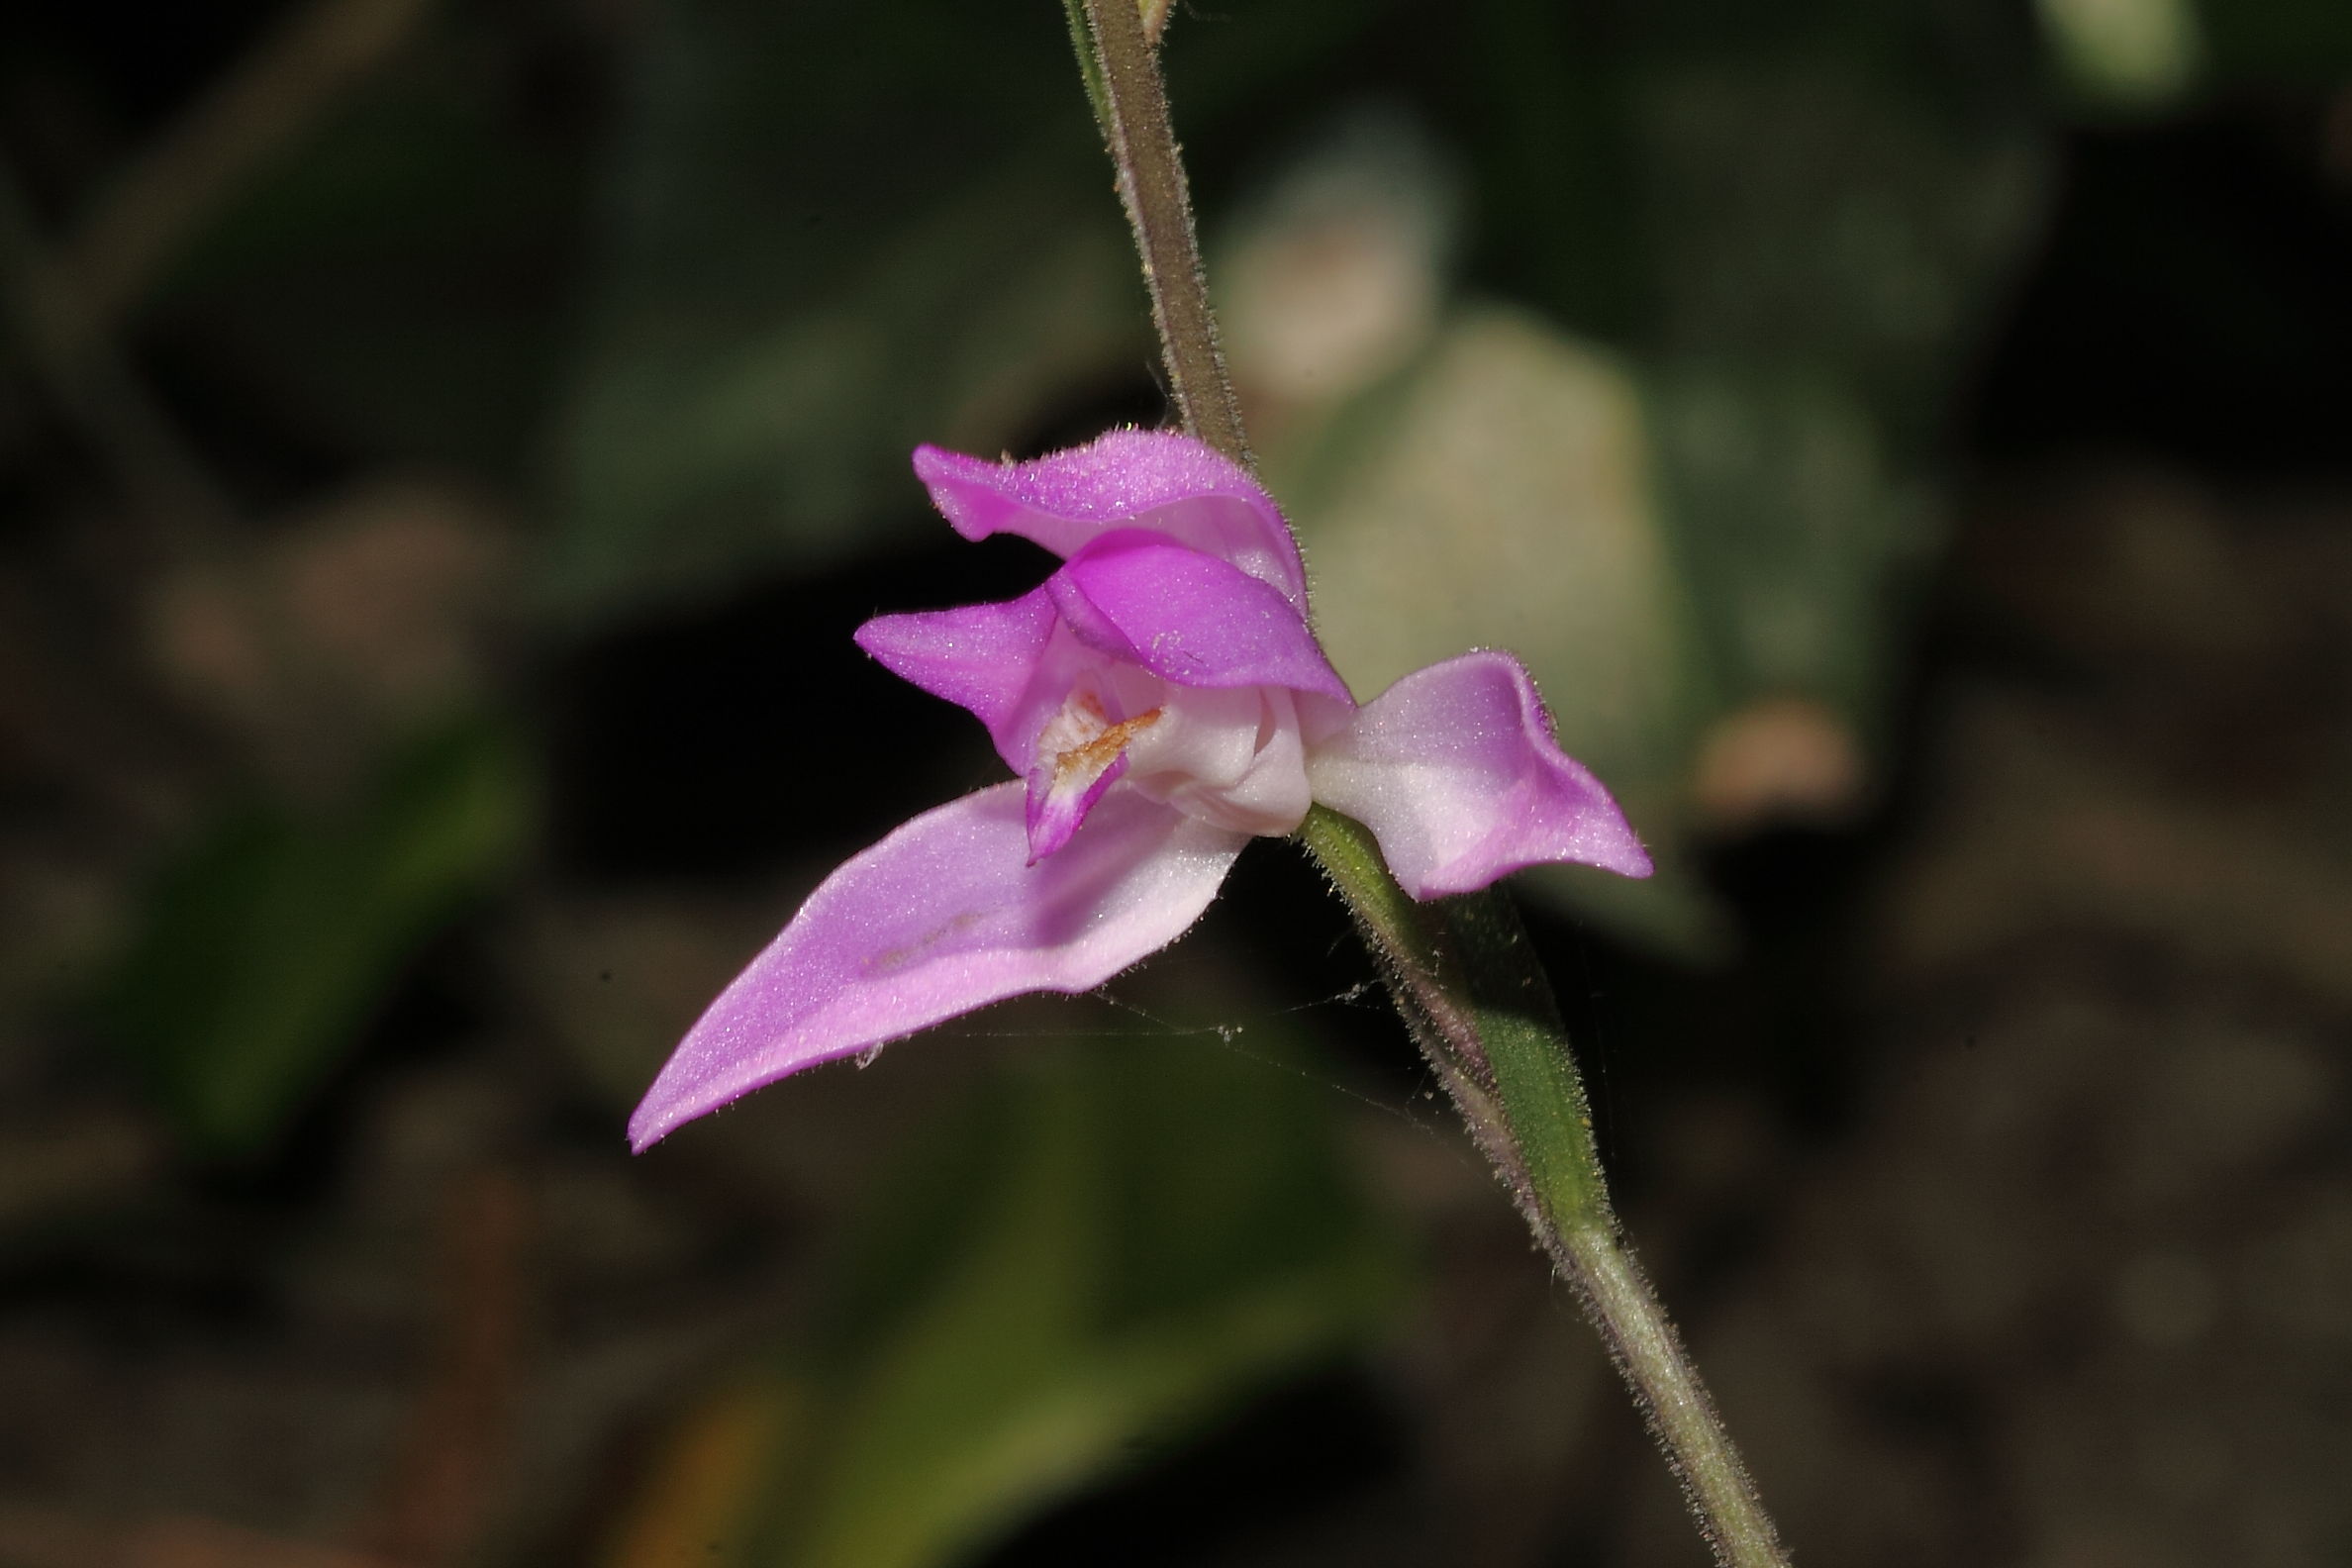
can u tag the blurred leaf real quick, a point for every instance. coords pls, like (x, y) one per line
(2303, 44)
(699, 450)
(688, 1510)
(1833, 224)
(1503, 494)
(1241, 69)
(1554, 160)
(1821, 215)
(835, 231)
(391, 285)
(265, 950)
(2129, 53)
(1698, 537)
(1787, 519)
(1103, 1251)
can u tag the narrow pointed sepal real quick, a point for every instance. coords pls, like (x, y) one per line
(945, 916)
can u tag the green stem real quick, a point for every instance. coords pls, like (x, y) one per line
(1461, 969)
(1483, 1012)
(1151, 184)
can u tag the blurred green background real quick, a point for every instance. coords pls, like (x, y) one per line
(446, 444)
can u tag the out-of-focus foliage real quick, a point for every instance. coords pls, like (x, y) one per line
(1693, 521)
(2276, 43)
(399, 274)
(2124, 51)
(266, 949)
(343, 659)
(2143, 55)
(833, 233)
(1096, 1254)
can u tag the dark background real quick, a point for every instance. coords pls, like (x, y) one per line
(445, 447)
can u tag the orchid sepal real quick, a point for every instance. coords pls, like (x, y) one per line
(943, 916)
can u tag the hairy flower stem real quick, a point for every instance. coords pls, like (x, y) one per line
(1460, 969)
(1480, 1008)
(1151, 184)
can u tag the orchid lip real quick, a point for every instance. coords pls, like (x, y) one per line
(1081, 752)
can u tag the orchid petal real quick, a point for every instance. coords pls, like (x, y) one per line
(1081, 752)
(1058, 798)
(1188, 617)
(1158, 480)
(1456, 771)
(982, 656)
(942, 917)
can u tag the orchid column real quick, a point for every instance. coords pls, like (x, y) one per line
(1459, 968)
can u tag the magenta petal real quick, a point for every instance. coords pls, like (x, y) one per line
(1168, 483)
(1057, 804)
(943, 916)
(1188, 617)
(1456, 771)
(981, 656)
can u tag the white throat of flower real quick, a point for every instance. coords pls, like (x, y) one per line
(1229, 756)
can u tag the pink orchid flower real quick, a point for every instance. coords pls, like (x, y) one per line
(1162, 699)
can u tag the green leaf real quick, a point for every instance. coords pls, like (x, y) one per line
(268, 949)
(1697, 534)
(2138, 53)
(1103, 1251)
(1789, 519)
(705, 445)
(2305, 43)
(835, 231)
